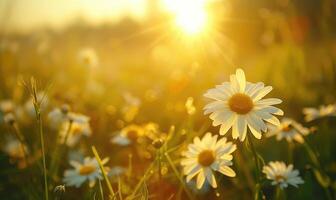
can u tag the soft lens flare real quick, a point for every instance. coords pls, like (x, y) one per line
(190, 15)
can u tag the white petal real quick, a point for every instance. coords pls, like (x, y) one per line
(240, 75)
(211, 178)
(235, 132)
(193, 173)
(255, 88)
(227, 171)
(256, 122)
(268, 102)
(222, 118)
(242, 127)
(200, 179)
(234, 83)
(216, 94)
(214, 106)
(268, 117)
(256, 133)
(273, 110)
(263, 92)
(227, 125)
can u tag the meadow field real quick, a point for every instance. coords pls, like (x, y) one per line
(209, 100)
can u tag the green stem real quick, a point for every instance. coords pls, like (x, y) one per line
(109, 186)
(119, 189)
(59, 151)
(320, 175)
(312, 155)
(39, 120)
(290, 152)
(178, 176)
(144, 177)
(255, 155)
(240, 159)
(258, 167)
(101, 190)
(278, 193)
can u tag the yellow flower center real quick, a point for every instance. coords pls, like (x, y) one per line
(77, 129)
(241, 103)
(132, 135)
(287, 127)
(87, 169)
(279, 178)
(206, 158)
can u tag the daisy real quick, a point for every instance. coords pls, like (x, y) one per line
(289, 130)
(88, 58)
(9, 118)
(128, 135)
(117, 171)
(16, 151)
(205, 156)
(282, 175)
(316, 113)
(58, 115)
(79, 126)
(131, 107)
(88, 170)
(153, 132)
(239, 104)
(6, 106)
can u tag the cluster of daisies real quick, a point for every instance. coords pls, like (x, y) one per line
(237, 105)
(240, 105)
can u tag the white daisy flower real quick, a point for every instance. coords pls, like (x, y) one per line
(79, 127)
(289, 130)
(16, 152)
(58, 115)
(14, 149)
(88, 57)
(88, 170)
(205, 156)
(282, 175)
(316, 113)
(9, 118)
(239, 104)
(6, 106)
(129, 135)
(117, 171)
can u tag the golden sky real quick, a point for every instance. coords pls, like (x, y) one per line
(26, 15)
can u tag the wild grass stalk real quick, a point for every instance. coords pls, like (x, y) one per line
(143, 179)
(32, 88)
(119, 189)
(101, 191)
(180, 178)
(109, 186)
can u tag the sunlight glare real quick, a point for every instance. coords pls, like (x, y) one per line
(190, 15)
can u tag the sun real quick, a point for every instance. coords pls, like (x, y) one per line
(190, 15)
(191, 22)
